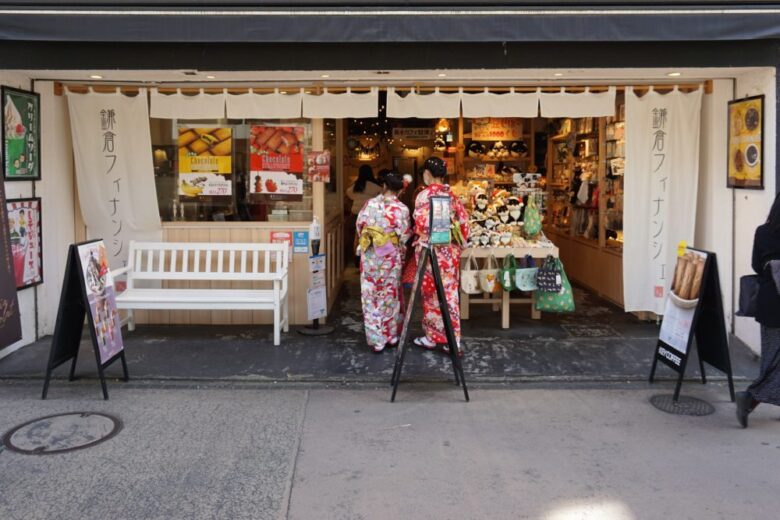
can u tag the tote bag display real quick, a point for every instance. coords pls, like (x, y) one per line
(560, 301)
(469, 276)
(549, 278)
(532, 221)
(507, 273)
(488, 275)
(525, 275)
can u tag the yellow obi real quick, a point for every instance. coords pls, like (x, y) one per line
(376, 236)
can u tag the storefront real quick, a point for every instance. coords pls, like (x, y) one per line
(571, 164)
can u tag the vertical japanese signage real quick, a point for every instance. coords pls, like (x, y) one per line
(21, 135)
(10, 323)
(111, 154)
(276, 161)
(101, 296)
(205, 162)
(24, 226)
(660, 170)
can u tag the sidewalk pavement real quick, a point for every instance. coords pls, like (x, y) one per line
(250, 451)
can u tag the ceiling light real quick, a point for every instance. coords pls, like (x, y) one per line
(96, 76)
(210, 77)
(442, 75)
(674, 74)
(558, 74)
(325, 76)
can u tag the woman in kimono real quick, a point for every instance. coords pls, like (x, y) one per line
(383, 226)
(434, 172)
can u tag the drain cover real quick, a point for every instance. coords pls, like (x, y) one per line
(62, 433)
(683, 406)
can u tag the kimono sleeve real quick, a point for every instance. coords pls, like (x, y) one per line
(403, 227)
(461, 216)
(363, 217)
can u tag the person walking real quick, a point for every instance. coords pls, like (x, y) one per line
(434, 173)
(383, 227)
(765, 389)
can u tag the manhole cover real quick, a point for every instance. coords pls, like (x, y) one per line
(683, 406)
(61, 433)
(590, 331)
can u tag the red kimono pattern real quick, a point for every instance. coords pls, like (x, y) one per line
(380, 276)
(449, 264)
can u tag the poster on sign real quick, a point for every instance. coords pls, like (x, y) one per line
(24, 228)
(276, 148)
(496, 129)
(101, 295)
(205, 161)
(318, 166)
(275, 183)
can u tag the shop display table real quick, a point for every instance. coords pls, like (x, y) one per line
(504, 300)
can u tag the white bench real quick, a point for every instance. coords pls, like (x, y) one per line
(200, 262)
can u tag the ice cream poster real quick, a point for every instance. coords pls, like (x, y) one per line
(24, 228)
(318, 166)
(276, 148)
(205, 161)
(101, 295)
(21, 134)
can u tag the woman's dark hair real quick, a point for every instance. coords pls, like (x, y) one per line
(365, 174)
(382, 174)
(393, 181)
(774, 215)
(436, 166)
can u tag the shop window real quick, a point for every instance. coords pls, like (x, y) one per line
(232, 170)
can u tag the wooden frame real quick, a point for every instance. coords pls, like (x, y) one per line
(6, 92)
(745, 143)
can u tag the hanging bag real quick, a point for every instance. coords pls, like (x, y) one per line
(525, 276)
(507, 274)
(774, 269)
(748, 296)
(532, 221)
(548, 277)
(469, 276)
(488, 275)
(558, 301)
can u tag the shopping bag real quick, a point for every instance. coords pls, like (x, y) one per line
(525, 276)
(488, 275)
(469, 276)
(560, 301)
(548, 277)
(532, 220)
(748, 296)
(507, 273)
(774, 268)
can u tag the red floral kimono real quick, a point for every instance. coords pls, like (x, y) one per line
(449, 264)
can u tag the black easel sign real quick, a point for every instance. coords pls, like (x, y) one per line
(10, 321)
(702, 319)
(88, 290)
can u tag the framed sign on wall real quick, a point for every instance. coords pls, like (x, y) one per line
(746, 143)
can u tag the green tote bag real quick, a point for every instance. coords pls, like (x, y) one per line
(562, 301)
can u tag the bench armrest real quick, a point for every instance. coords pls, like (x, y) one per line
(121, 271)
(281, 275)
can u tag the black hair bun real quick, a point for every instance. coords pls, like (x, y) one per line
(394, 182)
(436, 166)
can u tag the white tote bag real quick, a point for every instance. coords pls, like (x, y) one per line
(488, 275)
(469, 276)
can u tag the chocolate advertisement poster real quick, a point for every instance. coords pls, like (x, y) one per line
(205, 161)
(10, 321)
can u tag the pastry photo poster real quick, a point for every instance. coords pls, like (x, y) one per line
(205, 161)
(276, 161)
(746, 143)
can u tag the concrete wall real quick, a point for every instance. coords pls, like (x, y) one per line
(751, 207)
(714, 212)
(57, 199)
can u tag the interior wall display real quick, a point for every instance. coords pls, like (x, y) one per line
(114, 169)
(276, 148)
(660, 191)
(24, 227)
(205, 162)
(694, 309)
(21, 135)
(746, 143)
(496, 129)
(318, 166)
(10, 322)
(87, 291)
